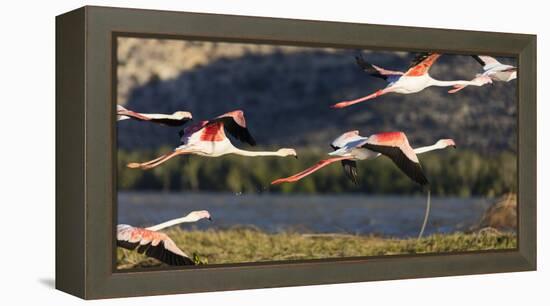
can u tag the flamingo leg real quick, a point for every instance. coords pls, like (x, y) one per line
(298, 176)
(457, 88)
(343, 104)
(157, 161)
(426, 215)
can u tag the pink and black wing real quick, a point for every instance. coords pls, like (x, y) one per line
(374, 70)
(421, 63)
(153, 244)
(395, 146)
(235, 125)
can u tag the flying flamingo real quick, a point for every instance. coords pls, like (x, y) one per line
(175, 119)
(492, 69)
(207, 138)
(350, 147)
(415, 79)
(156, 244)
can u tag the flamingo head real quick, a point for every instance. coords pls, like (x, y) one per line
(287, 152)
(444, 143)
(198, 215)
(180, 115)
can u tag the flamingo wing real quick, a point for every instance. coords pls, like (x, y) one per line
(485, 60)
(396, 146)
(235, 125)
(345, 138)
(121, 111)
(375, 70)
(421, 64)
(350, 169)
(170, 121)
(153, 244)
(298, 176)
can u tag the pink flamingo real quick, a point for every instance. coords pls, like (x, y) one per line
(415, 79)
(493, 70)
(207, 138)
(351, 147)
(175, 119)
(156, 244)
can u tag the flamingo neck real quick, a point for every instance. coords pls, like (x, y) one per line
(436, 146)
(434, 82)
(257, 153)
(187, 219)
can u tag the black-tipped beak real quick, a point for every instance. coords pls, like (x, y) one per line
(454, 146)
(210, 219)
(296, 156)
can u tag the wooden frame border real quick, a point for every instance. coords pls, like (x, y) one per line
(85, 143)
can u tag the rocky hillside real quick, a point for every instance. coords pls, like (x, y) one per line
(285, 93)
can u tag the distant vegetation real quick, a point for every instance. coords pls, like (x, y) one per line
(251, 245)
(451, 173)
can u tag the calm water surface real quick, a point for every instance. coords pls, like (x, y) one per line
(355, 214)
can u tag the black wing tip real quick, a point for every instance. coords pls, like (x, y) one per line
(478, 59)
(350, 170)
(251, 141)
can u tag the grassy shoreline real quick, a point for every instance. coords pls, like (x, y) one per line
(238, 245)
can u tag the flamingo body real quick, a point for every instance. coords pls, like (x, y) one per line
(155, 244)
(495, 69)
(351, 147)
(208, 138)
(415, 79)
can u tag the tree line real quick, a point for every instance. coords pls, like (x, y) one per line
(450, 172)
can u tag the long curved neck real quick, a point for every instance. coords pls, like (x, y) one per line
(435, 146)
(172, 222)
(256, 153)
(434, 82)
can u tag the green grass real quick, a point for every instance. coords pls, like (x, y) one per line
(240, 245)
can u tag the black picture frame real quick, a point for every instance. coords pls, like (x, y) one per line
(86, 151)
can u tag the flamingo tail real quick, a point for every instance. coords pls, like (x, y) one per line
(426, 215)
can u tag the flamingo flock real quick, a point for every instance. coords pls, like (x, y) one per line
(208, 138)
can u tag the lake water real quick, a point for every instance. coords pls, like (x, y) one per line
(353, 214)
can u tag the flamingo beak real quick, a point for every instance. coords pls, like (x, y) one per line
(209, 219)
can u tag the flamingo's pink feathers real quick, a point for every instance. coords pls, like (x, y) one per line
(237, 115)
(394, 139)
(213, 132)
(154, 244)
(423, 66)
